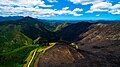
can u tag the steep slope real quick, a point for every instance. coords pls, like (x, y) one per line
(104, 41)
(14, 46)
(71, 33)
(63, 55)
(38, 22)
(16, 58)
(101, 35)
(17, 40)
(11, 38)
(58, 55)
(102, 32)
(61, 26)
(32, 28)
(100, 47)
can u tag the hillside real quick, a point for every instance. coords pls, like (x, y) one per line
(59, 55)
(32, 28)
(102, 32)
(62, 55)
(99, 47)
(61, 26)
(104, 41)
(71, 33)
(101, 35)
(18, 38)
(11, 38)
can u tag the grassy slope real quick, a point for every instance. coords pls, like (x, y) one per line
(15, 58)
(35, 53)
(11, 38)
(15, 45)
(61, 26)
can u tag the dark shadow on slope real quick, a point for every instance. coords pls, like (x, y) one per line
(72, 32)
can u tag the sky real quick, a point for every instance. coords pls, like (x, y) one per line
(62, 9)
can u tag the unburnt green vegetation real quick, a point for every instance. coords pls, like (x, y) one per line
(18, 38)
(16, 57)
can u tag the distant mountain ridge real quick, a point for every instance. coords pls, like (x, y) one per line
(56, 21)
(10, 18)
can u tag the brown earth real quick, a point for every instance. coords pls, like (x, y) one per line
(100, 47)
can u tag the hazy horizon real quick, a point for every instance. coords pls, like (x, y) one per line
(49, 19)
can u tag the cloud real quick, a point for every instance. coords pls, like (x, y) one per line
(36, 11)
(65, 8)
(85, 2)
(99, 7)
(116, 6)
(25, 3)
(52, 1)
(105, 7)
(78, 10)
(33, 8)
(73, 12)
(115, 9)
(98, 15)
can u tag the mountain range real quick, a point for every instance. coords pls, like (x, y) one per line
(85, 43)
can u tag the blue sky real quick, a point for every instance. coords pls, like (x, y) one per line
(62, 9)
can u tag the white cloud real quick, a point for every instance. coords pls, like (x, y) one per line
(105, 7)
(25, 3)
(116, 6)
(31, 2)
(98, 15)
(85, 2)
(115, 9)
(65, 8)
(33, 8)
(75, 14)
(79, 1)
(99, 7)
(52, 1)
(35, 11)
(78, 10)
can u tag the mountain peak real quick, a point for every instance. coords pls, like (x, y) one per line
(28, 17)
